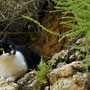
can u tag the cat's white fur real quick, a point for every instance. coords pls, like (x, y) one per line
(12, 66)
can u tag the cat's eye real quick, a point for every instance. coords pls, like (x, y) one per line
(1, 49)
(10, 46)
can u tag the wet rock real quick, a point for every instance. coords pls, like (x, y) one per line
(4, 85)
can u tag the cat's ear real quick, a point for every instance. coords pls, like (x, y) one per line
(6, 36)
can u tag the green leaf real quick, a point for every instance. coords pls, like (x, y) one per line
(88, 73)
(84, 84)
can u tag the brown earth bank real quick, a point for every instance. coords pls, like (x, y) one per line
(25, 32)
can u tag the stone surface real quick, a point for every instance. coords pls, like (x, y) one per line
(66, 84)
(28, 83)
(64, 71)
(81, 40)
(63, 54)
(4, 85)
(47, 88)
(58, 56)
(66, 78)
(54, 59)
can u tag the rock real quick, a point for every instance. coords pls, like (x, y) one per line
(64, 71)
(65, 78)
(63, 54)
(77, 53)
(79, 78)
(27, 77)
(47, 88)
(66, 84)
(52, 77)
(81, 40)
(33, 86)
(72, 57)
(61, 64)
(54, 59)
(28, 83)
(83, 49)
(58, 56)
(4, 85)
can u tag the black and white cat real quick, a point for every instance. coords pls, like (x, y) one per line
(15, 61)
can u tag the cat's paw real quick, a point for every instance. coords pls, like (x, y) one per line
(2, 78)
(10, 79)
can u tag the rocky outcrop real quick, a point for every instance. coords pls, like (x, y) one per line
(8, 85)
(67, 78)
(28, 82)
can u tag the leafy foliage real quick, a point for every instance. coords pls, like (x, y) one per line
(79, 22)
(44, 28)
(80, 10)
(43, 70)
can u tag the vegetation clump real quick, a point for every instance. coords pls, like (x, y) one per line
(41, 73)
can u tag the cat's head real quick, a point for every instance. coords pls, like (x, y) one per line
(7, 47)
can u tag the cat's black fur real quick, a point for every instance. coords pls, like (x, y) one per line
(5, 42)
(32, 58)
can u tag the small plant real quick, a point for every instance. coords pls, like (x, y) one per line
(79, 22)
(42, 72)
(41, 26)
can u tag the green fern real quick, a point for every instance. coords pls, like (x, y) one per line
(80, 10)
(44, 28)
(81, 14)
(42, 72)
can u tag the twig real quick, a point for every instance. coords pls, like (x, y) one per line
(10, 24)
(2, 15)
